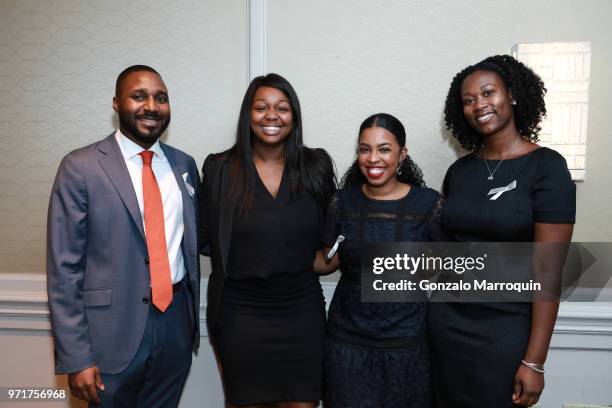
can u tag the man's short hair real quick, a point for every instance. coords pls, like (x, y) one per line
(129, 70)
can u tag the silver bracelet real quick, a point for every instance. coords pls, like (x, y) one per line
(538, 368)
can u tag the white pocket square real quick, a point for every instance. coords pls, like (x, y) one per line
(501, 190)
(188, 186)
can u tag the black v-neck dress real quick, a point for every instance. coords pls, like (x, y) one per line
(272, 320)
(477, 347)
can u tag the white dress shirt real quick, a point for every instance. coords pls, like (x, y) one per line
(172, 200)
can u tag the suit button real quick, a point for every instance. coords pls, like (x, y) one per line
(147, 260)
(145, 300)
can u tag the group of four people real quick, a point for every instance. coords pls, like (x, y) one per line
(124, 304)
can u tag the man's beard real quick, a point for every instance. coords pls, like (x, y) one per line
(128, 122)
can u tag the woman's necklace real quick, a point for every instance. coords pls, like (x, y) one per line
(484, 158)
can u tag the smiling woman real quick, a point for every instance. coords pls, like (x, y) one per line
(261, 215)
(487, 103)
(498, 351)
(271, 116)
(375, 353)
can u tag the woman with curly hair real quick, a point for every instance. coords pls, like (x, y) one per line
(493, 354)
(376, 355)
(262, 209)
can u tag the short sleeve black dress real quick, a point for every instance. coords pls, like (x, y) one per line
(271, 327)
(376, 355)
(477, 347)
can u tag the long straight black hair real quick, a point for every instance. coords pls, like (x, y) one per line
(410, 173)
(307, 169)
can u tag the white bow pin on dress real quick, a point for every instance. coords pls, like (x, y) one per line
(501, 190)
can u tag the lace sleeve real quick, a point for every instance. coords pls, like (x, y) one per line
(435, 231)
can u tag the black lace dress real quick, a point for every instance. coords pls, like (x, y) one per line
(376, 353)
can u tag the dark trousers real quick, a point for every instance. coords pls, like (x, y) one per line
(157, 374)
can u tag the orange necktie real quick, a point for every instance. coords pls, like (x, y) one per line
(159, 265)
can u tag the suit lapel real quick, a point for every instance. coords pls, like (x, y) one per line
(179, 168)
(115, 168)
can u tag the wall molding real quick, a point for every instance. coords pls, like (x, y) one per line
(23, 303)
(258, 38)
(24, 308)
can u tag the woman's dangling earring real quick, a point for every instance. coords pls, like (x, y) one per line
(400, 166)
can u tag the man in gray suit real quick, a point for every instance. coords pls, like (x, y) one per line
(122, 259)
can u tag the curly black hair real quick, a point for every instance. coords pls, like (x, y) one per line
(408, 172)
(527, 90)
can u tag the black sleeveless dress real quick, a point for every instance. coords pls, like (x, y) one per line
(477, 347)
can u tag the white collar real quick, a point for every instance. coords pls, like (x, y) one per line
(130, 149)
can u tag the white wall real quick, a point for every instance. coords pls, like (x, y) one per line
(347, 59)
(350, 58)
(58, 64)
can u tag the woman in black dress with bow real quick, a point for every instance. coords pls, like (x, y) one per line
(262, 208)
(492, 354)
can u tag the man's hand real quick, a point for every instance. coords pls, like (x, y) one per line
(83, 384)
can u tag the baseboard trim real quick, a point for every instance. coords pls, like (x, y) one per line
(24, 308)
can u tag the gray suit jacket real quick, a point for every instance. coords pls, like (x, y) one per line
(97, 264)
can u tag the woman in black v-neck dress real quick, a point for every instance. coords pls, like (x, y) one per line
(262, 210)
(492, 355)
